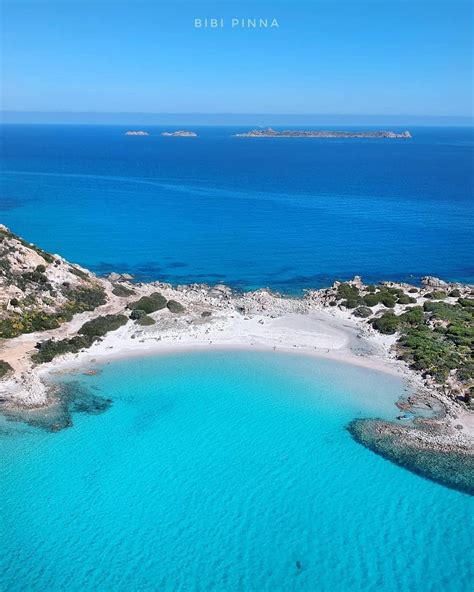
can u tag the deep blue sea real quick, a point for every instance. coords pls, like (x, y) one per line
(220, 471)
(285, 213)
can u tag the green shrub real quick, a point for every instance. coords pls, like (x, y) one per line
(85, 299)
(174, 306)
(137, 313)
(36, 276)
(122, 291)
(40, 268)
(437, 294)
(28, 322)
(455, 293)
(371, 288)
(412, 316)
(371, 299)
(350, 303)
(405, 299)
(387, 300)
(362, 312)
(14, 302)
(413, 290)
(466, 302)
(149, 304)
(145, 321)
(347, 291)
(102, 325)
(79, 273)
(5, 368)
(332, 303)
(386, 324)
(48, 350)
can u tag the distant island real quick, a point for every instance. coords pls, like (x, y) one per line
(136, 133)
(271, 133)
(181, 134)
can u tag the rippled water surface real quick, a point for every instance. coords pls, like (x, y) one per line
(285, 212)
(220, 471)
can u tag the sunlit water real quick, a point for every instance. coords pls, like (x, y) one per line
(220, 471)
(289, 213)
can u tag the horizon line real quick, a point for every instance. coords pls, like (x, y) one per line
(227, 118)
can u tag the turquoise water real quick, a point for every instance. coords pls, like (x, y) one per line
(219, 471)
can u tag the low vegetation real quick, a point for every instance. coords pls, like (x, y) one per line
(435, 338)
(89, 333)
(5, 368)
(31, 320)
(174, 306)
(122, 291)
(149, 304)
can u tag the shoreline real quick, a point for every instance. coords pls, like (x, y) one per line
(88, 320)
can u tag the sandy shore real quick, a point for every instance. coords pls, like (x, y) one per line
(219, 319)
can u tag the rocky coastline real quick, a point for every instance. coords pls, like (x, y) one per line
(93, 319)
(271, 133)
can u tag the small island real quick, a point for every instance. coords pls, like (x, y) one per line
(271, 133)
(136, 133)
(180, 134)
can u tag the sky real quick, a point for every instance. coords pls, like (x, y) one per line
(375, 57)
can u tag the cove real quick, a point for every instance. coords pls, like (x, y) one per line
(225, 471)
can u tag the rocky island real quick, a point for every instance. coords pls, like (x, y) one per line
(271, 133)
(57, 317)
(136, 133)
(180, 134)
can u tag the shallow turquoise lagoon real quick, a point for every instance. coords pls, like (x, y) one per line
(220, 471)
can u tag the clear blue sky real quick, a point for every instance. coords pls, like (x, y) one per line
(327, 56)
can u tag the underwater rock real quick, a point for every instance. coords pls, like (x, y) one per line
(420, 450)
(67, 399)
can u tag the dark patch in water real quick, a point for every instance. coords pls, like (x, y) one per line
(71, 397)
(452, 469)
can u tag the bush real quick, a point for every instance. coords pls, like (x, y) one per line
(149, 304)
(455, 293)
(86, 299)
(387, 300)
(405, 299)
(347, 291)
(5, 368)
(413, 316)
(145, 321)
(49, 349)
(371, 299)
(362, 312)
(332, 303)
(350, 303)
(14, 302)
(386, 324)
(79, 273)
(102, 325)
(174, 306)
(371, 288)
(40, 268)
(437, 295)
(137, 314)
(122, 291)
(28, 322)
(413, 290)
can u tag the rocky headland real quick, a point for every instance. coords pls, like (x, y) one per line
(58, 317)
(271, 133)
(180, 134)
(136, 133)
